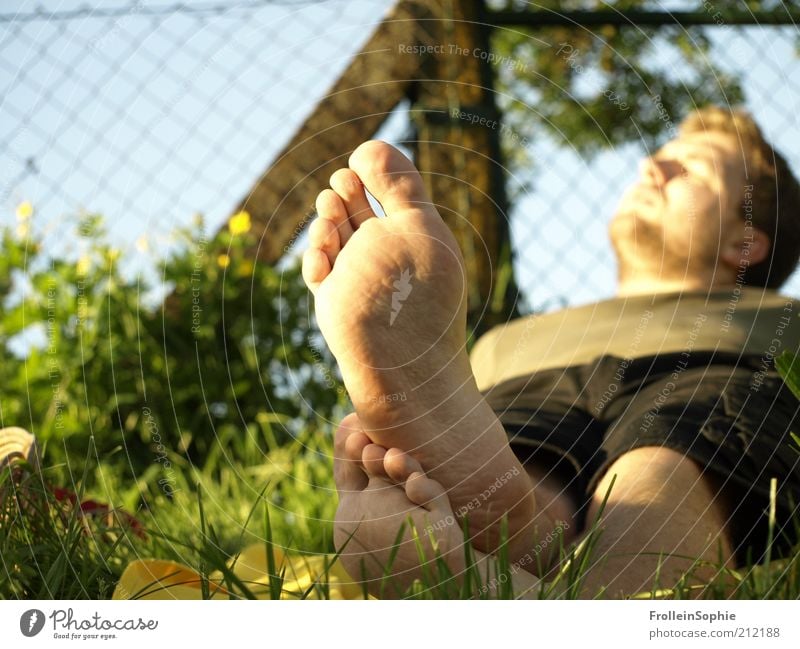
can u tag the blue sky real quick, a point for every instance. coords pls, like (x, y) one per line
(152, 119)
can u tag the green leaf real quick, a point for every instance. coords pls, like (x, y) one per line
(788, 366)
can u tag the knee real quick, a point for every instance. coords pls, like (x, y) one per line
(659, 483)
(647, 460)
(651, 473)
(664, 483)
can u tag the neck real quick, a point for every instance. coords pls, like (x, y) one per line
(643, 281)
(646, 286)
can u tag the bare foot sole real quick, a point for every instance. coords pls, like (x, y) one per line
(390, 299)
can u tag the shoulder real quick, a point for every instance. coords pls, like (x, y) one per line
(490, 346)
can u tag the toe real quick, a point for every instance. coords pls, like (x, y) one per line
(399, 465)
(350, 424)
(372, 459)
(348, 186)
(348, 443)
(348, 476)
(354, 446)
(331, 206)
(324, 235)
(389, 176)
(316, 267)
(423, 491)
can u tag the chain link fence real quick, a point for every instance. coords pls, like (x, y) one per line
(149, 114)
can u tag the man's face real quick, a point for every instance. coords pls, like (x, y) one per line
(684, 208)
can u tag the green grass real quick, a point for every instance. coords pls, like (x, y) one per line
(205, 516)
(283, 498)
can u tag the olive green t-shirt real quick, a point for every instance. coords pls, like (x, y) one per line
(742, 321)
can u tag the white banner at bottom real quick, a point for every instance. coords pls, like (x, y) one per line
(401, 625)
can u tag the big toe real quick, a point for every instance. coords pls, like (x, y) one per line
(349, 428)
(390, 177)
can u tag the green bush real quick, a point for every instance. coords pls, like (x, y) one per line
(230, 358)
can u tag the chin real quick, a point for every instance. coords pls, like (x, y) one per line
(631, 232)
(620, 232)
(623, 223)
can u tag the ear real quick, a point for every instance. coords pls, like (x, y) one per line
(751, 247)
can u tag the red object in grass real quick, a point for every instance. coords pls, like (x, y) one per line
(92, 508)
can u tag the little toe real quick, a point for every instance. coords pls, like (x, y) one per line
(425, 492)
(324, 235)
(316, 267)
(349, 187)
(330, 206)
(372, 459)
(399, 465)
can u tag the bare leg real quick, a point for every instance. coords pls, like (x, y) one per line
(660, 504)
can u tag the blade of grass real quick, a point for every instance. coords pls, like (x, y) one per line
(386, 576)
(204, 589)
(275, 580)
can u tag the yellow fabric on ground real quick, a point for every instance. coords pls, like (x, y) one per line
(158, 579)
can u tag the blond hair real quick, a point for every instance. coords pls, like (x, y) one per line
(775, 194)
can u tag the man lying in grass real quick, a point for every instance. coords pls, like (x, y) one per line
(668, 391)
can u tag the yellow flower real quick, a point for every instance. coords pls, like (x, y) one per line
(245, 268)
(83, 265)
(24, 211)
(239, 223)
(113, 254)
(141, 244)
(23, 230)
(223, 261)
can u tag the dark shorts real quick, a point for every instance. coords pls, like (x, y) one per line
(730, 414)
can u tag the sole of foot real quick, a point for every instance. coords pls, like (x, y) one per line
(390, 298)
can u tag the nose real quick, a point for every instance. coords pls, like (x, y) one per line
(659, 170)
